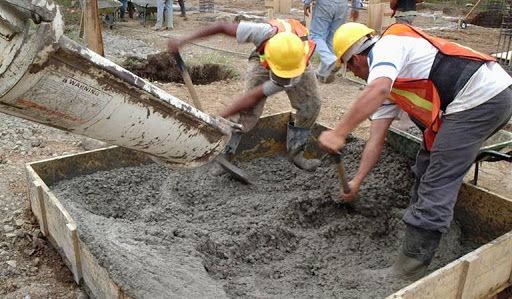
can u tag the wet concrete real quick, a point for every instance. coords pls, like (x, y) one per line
(167, 234)
(162, 67)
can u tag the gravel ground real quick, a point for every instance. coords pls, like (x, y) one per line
(29, 266)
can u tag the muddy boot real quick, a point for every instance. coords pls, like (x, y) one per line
(229, 151)
(415, 255)
(417, 252)
(296, 140)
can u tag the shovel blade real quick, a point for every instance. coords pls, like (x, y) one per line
(234, 171)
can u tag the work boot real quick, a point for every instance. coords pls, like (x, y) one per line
(330, 77)
(229, 151)
(417, 251)
(296, 139)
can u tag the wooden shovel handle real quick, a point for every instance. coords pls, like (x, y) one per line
(188, 80)
(341, 173)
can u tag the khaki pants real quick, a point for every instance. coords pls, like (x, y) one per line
(303, 96)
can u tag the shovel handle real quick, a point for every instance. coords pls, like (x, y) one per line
(188, 80)
(341, 173)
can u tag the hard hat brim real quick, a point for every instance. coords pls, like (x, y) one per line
(299, 70)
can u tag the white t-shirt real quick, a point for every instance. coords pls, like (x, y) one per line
(410, 57)
(256, 33)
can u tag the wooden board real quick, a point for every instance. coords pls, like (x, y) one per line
(379, 16)
(479, 274)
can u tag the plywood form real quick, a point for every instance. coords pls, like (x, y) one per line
(479, 274)
(379, 15)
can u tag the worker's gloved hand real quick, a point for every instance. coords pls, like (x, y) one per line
(331, 142)
(174, 44)
(354, 189)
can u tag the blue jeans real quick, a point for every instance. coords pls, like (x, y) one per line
(327, 16)
(160, 6)
(122, 9)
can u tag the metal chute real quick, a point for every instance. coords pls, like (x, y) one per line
(48, 78)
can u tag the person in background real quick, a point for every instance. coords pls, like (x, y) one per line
(280, 62)
(182, 9)
(122, 10)
(327, 16)
(404, 11)
(457, 96)
(161, 6)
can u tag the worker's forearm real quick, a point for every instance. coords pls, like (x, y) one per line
(370, 99)
(373, 148)
(227, 29)
(393, 3)
(249, 100)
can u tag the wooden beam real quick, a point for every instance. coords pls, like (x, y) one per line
(92, 27)
(40, 200)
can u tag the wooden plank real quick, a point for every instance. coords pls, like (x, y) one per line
(55, 169)
(35, 202)
(379, 16)
(77, 266)
(483, 215)
(443, 283)
(96, 278)
(38, 194)
(59, 232)
(92, 27)
(479, 274)
(489, 269)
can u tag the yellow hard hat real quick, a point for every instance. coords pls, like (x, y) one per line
(285, 55)
(346, 36)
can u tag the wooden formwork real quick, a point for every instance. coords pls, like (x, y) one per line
(484, 216)
(379, 15)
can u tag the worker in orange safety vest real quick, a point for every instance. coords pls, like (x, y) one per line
(279, 62)
(457, 96)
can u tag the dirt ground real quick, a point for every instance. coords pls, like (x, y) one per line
(30, 267)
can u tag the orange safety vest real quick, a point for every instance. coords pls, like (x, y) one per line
(420, 97)
(295, 27)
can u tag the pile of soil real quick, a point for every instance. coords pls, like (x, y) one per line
(162, 67)
(166, 234)
(487, 18)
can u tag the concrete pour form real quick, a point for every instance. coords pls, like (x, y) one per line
(146, 232)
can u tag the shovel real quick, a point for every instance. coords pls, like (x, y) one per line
(236, 172)
(341, 172)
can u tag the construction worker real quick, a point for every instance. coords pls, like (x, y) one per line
(280, 62)
(457, 96)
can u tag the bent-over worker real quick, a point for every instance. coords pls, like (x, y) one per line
(457, 96)
(280, 62)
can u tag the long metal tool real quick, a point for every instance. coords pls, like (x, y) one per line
(236, 172)
(341, 172)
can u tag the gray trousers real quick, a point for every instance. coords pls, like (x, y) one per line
(303, 96)
(439, 173)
